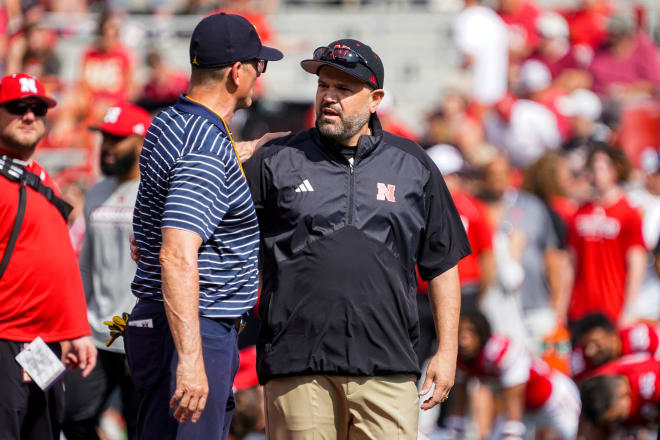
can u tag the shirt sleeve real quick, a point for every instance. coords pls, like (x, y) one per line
(514, 366)
(444, 241)
(637, 339)
(634, 235)
(257, 179)
(197, 199)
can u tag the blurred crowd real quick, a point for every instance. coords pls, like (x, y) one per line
(557, 143)
(552, 154)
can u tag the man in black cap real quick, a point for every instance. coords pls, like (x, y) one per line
(346, 211)
(197, 235)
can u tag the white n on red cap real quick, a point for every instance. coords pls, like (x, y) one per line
(21, 86)
(124, 120)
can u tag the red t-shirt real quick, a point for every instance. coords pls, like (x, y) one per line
(601, 238)
(522, 23)
(588, 26)
(474, 217)
(565, 208)
(509, 364)
(107, 75)
(41, 292)
(643, 374)
(639, 338)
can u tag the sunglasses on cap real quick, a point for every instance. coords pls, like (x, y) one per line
(341, 54)
(19, 108)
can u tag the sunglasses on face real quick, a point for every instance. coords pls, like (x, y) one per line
(19, 108)
(260, 65)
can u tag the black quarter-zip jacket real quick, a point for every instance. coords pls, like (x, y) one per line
(339, 244)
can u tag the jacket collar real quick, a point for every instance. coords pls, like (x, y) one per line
(366, 143)
(187, 105)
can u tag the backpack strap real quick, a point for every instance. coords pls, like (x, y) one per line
(13, 237)
(14, 171)
(17, 173)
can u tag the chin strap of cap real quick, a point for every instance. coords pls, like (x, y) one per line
(11, 169)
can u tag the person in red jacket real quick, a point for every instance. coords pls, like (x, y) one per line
(596, 341)
(623, 394)
(41, 293)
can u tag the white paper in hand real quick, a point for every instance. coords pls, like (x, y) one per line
(39, 361)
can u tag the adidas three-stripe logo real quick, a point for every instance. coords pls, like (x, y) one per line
(305, 187)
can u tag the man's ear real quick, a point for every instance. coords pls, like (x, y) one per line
(234, 73)
(375, 98)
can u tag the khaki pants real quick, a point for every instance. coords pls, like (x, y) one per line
(341, 408)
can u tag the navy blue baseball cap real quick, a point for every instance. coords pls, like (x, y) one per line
(223, 39)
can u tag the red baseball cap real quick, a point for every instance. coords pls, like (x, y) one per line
(246, 377)
(20, 86)
(125, 119)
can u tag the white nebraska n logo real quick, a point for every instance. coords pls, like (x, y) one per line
(28, 85)
(385, 192)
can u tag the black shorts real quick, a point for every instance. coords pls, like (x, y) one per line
(27, 412)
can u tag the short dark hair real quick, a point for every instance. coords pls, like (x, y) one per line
(591, 322)
(480, 322)
(597, 395)
(620, 161)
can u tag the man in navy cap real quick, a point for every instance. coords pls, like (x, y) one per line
(198, 239)
(346, 211)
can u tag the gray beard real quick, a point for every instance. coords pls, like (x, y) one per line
(346, 129)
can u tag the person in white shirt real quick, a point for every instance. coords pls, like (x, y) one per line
(481, 37)
(107, 271)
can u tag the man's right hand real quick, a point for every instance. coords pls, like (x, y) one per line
(79, 353)
(192, 389)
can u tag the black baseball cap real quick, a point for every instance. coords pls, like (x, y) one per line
(222, 39)
(368, 68)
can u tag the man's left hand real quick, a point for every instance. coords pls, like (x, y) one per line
(440, 372)
(246, 149)
(79, 353)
